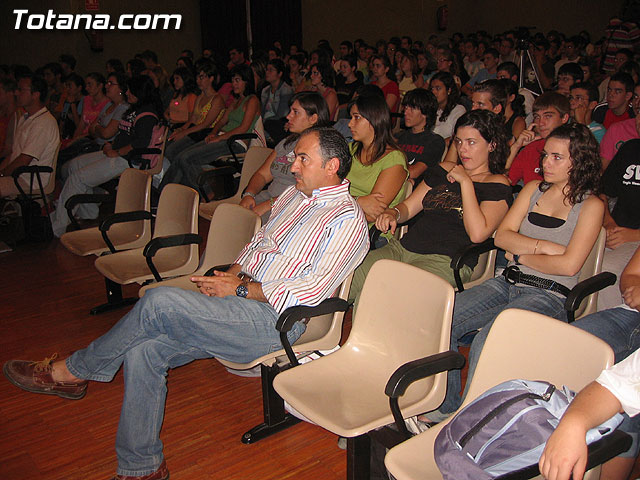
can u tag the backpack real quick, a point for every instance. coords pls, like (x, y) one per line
(505, 430)
(150, 160)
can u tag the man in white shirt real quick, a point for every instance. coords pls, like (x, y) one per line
(36, 137)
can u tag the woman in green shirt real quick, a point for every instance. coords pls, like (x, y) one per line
(378, 167)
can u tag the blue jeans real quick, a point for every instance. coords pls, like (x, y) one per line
(187, 165)
(167, 328)
(82, 174)
(477, 308)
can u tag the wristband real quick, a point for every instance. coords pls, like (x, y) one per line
(397, 213)
(536, 247)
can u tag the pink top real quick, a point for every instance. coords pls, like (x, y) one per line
(615, 137)
(91, 110)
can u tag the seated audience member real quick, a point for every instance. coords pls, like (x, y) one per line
(67, 64)
(69, 118)
(52, 74)
(92, 104)
(410, 77)
(507, 52)
(135, 67)
(349, 79)
(547, 234)
(35, 135)
(275, 100)
(489, 95)
(233, 315)
(208, 109)
(450, 110)
(620, 132)
(583, 98)
(239, 118)
(421, 145)
(308, 109)
(236, 58)
(149, 58)
(381, 71)
(621, 181)
(185, 62)
(571, 54)
(114, 65)
(510, 71)
(323, 81)
(491, 60)
(621, 57)
(104, 128)
(378, 167)
(8, 111)
(568, 74)
(544, 65)
(92, 169)
(446, 61)
(297, 72)
(550, 110)
(514, 111)
(472, 62)
(184, 98)
(617, 107)
(160, 79)
(455, 205)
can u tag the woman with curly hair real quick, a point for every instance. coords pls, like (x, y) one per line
(450, 109)
(547, 234)
(455, 205)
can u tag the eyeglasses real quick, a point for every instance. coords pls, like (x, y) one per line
(110, 83)
(202, 76)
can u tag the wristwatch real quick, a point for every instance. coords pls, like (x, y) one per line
(242, 290)
(248, 194)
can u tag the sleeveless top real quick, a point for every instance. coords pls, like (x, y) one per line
(439, 228)
(236, 115)
(201, 112)
(560, 234)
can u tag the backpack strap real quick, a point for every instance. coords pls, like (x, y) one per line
(145, 114)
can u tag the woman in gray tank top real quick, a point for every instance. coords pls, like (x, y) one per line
(547, 234)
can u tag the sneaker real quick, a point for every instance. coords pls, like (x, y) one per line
(162, 473)
(36, 377)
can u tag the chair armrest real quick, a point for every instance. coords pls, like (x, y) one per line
(458, 260)
(584, 289)
(599, 452)
(30, 169)
(165, 242)
(135, 157)
(218, 172)
(71, 203)
(238, 136)
(415, 370)
(121, 217)
(291, 315)
(374, 235)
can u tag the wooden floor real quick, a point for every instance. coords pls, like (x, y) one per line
(46, 293)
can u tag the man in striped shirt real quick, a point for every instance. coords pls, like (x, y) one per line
(316, 235)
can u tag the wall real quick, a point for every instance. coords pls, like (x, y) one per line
(34, 48)
(336, 20)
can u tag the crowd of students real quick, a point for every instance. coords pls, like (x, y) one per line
(470, 128)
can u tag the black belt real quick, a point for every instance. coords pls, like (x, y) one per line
(513, 275)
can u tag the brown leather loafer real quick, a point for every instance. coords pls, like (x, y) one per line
(36, 377)
(162, 473)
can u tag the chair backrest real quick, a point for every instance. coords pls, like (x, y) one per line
(178, 214)
(51, 184)
(404, 313)
(156, 164)
(592, 266)
(258, 129)
(232, 227)
(133, 194)
(531, 346)
(253, 160)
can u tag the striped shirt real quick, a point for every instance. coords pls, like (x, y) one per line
(308, 247)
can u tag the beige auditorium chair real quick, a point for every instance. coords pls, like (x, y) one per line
(232, 227)
(253, 160)
(324, 330)
(404, 314)
(172, 251)
(130, 225)
(523, 345)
